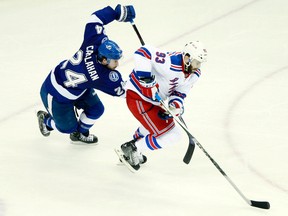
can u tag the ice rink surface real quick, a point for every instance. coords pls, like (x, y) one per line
(237, 110)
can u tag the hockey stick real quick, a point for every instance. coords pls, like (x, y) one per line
(193, 141)
(138, 33)
(191, 145)
(258, 204)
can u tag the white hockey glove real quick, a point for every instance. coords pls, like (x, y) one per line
(149, 89)
(176, 107)
(125, 13)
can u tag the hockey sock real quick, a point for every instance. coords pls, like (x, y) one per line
(50, 124)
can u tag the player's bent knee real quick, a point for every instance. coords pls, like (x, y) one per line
(95, 111)
(68, 127)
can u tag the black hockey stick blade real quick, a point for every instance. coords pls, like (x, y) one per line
(189, 151)
(191, 145)
(260, 204)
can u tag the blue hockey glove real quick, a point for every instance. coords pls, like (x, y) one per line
(125, 13)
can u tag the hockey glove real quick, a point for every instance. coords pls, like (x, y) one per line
(164, 115)
(176, 107)
(149, 89)
(125, 13)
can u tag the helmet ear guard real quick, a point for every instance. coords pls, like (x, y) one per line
(100, 57)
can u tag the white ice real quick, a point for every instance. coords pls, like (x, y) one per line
(238, 111)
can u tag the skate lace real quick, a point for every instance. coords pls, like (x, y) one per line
(44, 129)
(88, 138)
(134, 158)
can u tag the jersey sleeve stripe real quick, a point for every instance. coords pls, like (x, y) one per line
(144, 52)
(198, 72)
(178, 94)
(176, 62)
(177, 68)
(143, 74)
(94, 19)
(135, 81)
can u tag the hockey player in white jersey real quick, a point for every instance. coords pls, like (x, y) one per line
(171, 75)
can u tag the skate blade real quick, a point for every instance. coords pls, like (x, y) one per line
(120, 155)
(82, 143)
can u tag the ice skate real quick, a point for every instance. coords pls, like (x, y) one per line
(131, 155)
(42, 126)
(77, 137)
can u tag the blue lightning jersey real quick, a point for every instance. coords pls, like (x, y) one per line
(71, 78)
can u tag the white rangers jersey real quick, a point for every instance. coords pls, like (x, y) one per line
(167, 67)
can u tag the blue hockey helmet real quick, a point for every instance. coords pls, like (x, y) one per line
(109, 50)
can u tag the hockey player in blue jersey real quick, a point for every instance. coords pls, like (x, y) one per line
(72, 83)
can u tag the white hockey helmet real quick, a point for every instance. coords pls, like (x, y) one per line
(195, 50)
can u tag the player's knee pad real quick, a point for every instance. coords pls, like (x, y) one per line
(91, 104)
(95, 111)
